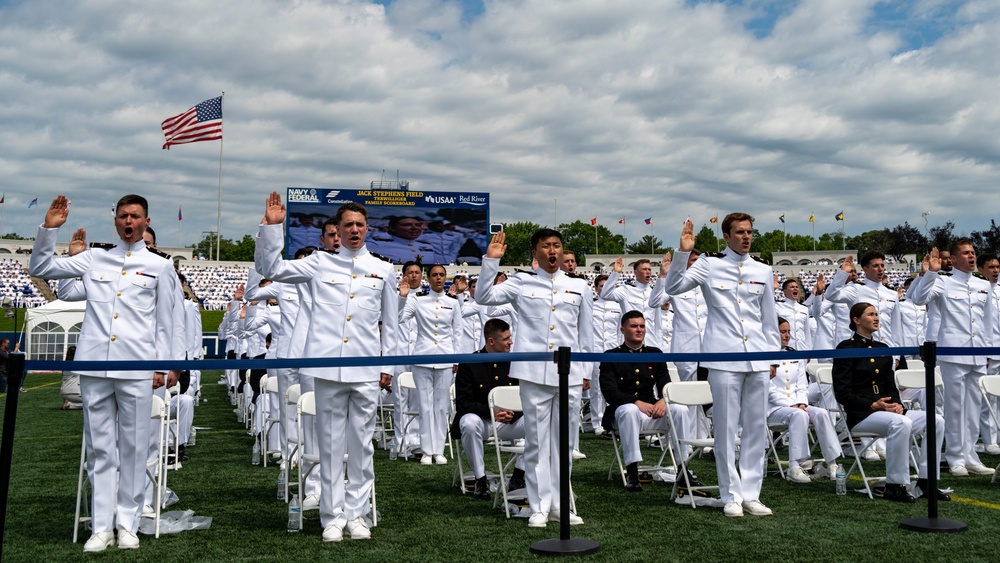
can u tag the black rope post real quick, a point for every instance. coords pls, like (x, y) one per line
(931, 523)
(15, 372)
(564, 544)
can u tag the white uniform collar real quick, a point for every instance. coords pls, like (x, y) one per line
(736, 256)
(542, 274)
(352, 253)
(134, 247)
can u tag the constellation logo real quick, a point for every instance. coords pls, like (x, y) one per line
(302, 195)
(332, 195)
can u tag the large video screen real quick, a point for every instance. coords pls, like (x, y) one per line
(428, 227)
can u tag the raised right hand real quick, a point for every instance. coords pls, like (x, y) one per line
(55, 217)
(687, 237)
(848, 264)
(274, 211)
(619, 265)
(78, 243)
(497, 248)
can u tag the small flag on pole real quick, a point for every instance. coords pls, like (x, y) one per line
(3, 197)
(621, 221)
(33, 203)
(649, 220)
(593, 221)
(179, 215)
(812, 217)
(202, 122)
(714, 220)
(782, 218)
(839, 216)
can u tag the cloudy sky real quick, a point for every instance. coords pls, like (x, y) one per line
(569, 109)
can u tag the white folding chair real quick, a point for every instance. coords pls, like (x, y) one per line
(825, 377)
(506, 398)
(293, 445)
(268, 387)
(916, 378)
(666, 446)
(688, 394)
(989, 386)
(384, 430)
(406, 382)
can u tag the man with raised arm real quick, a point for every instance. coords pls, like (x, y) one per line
(739, 291)
(553, 310)
(133, 299)
(353, 312)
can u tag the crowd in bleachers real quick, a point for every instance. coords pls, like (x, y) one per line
(16, 284)
(214, 286)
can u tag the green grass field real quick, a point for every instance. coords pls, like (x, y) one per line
(425, 519)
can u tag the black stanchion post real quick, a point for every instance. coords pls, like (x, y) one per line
(15, 372)
(564, 545)
(931, 523)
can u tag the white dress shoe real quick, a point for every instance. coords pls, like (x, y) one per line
(426, 459)
(99, 542)
(978, 469)
(440, 459)
(871, 455)
(358, 530)
(796, 475)
(993, 449)
(574, 520)
(756, 508)
(733, 510)
(959, 471)
(127, 539)
(538, 520)
(148, 511)
(577, 454)
(311, 502)
(833, 468)
(333, 533)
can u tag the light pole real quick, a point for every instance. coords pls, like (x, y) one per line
(924, 215)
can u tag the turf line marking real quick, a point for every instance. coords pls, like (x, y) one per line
(975, 502)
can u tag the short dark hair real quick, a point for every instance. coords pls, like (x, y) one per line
(431, 267)
(982, 259)
(733, 218)
(350, 206)
(785, 283)
(782, 321)
(395, 219)
(867, 258)
(695, 252)
(152, 233)
(600, 278)
(304, 251)
(960, 243)
(640, 262)
(568, 251)
(544, 234)
(329, 221)
(633, 314)
(856, 311)
(133, 199)
(494, 327)
(458, 277)
(409, 263)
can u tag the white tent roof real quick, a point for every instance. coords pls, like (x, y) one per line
(63, 313)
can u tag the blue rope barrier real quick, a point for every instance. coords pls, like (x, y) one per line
(165, 365)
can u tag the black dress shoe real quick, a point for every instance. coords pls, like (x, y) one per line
(182, 453)
(693, 479)
(897, 493)
(924, 488)
(632, 483)
(516, 483)
(482, 490)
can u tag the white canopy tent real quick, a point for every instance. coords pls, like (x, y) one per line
(51, 328)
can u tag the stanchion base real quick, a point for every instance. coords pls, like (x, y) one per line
(934, 525)
(567, 547)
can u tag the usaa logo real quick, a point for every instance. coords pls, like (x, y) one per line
(302, 195)
(331, 195)
(439, 199)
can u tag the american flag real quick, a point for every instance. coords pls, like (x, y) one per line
(202, 122)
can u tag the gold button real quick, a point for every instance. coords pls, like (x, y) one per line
(552, 327)
(550, 346)
(745, 338)
(119, 294)
(115, 316)
(553, 308)
(876, 370)
(123, 272)
(872, 360)
(637, 370)
(345, 340)
(348, 318)
(554, 292)
(128, 254)
(740, 282)
(113, 338)
(496, 378)
(637, 383)
(354, 276)
(494, 365)
(352, 296)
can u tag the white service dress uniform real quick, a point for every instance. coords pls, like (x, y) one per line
(132, 310)
(352, 291)
(553, 310)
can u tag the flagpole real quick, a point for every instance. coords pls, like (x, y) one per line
(812, 218)
(2, 206)
(597, 248)
(718, 235)
(652, 249)
(218, 213)
(624, 224)
(843, 229)
(784, 229)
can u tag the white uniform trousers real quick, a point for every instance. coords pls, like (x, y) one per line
(475, 431)
(195, 385)
(116, 424)
(694, 426)
(182, 411)
(597, 403)
(987, 429)
(798, 422)
(631, 422)
(433, 385)
(897, 429)
(739, 400)
(405, 400)
(345, 424)
(962, 404)
(541, 441)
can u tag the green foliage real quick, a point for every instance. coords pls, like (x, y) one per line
(578, 236)
(706, 241)
(240, 251)
(518, 243)
(648, 244)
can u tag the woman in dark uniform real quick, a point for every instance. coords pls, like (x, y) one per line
(866, 388)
